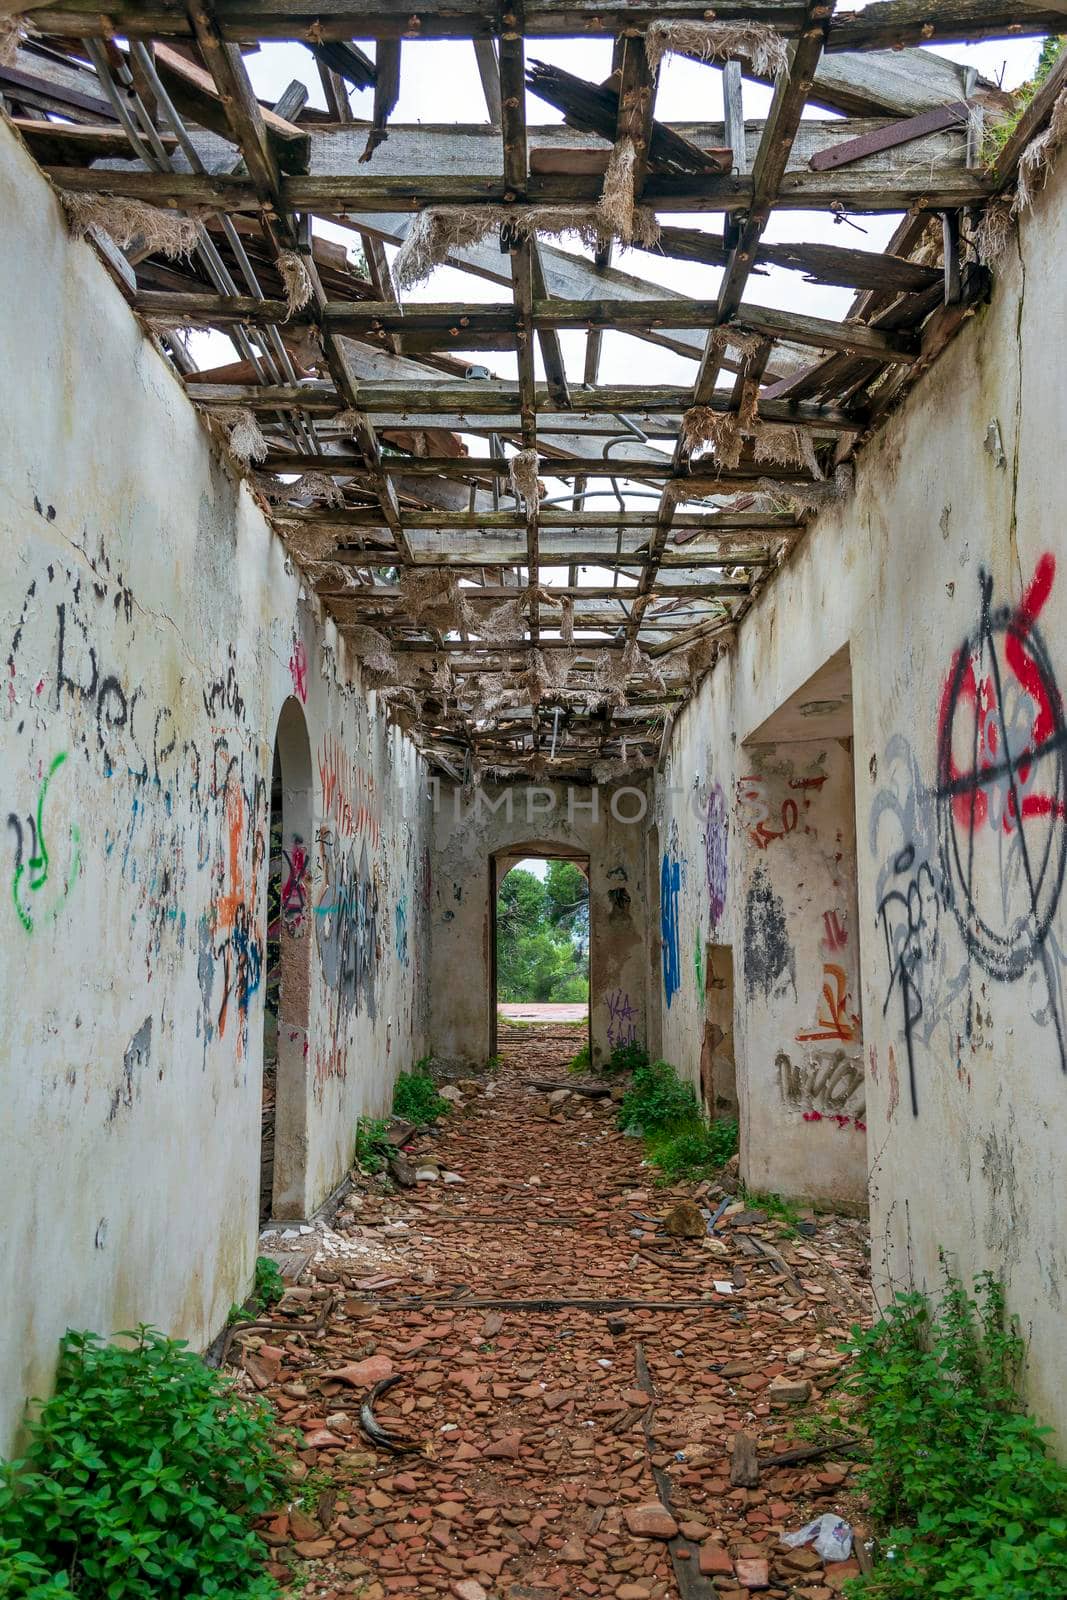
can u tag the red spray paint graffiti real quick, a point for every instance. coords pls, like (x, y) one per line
(298, 671)
(1002, 789)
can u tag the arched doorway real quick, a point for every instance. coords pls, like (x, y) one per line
(283, 1153)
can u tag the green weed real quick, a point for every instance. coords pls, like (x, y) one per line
(775, 1205)
(627, 1058)
(415, 1098)
(998, 130)
(658, 1100)
(370, 1139)
(969, 1504)
(694, 1151)
(269, 1285)
(582, 1061)
(142, 1474)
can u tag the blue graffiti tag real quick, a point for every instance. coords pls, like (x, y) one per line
(670, 880)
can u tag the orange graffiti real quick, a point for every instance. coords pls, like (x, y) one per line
(834, 1020)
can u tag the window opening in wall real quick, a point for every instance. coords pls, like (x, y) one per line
(541, 948)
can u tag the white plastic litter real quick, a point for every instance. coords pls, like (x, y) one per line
(831, 1536)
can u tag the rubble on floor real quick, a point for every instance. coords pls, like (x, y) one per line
(603, 1448)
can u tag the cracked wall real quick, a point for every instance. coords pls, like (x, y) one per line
(152, 632)
(944, 578)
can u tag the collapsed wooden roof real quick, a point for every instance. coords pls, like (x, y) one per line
(536, 572)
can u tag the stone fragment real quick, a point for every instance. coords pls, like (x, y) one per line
(362, 1374)
(651, 1520)
(753, 1572)
(714, 1561)
(469, 1589)
(789, 1391)
(685, 1220)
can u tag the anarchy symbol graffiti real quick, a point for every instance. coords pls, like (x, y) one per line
(1002, 788)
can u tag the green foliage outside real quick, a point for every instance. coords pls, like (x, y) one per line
(542, 949)
(370, 1143)
(142, 1474)
(968, 1503)
(998, 130)
(679, 1139)
(415, 1098)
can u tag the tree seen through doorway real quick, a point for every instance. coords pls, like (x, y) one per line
(543, 935)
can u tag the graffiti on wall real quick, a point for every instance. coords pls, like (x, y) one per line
(349, 798)
(298, 670)
(827, 1084)
(293, 905)
(622, 1019)
(1002, 790)
(766, 819)
(170, 813)
(40, 885)
(716, 846)
(834, 1018)
(769, 957)
(981, 851)
(670, 884)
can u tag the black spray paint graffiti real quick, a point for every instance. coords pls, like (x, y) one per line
(1002, 791)
(769, 957)
(346, 928)
(828, 1084)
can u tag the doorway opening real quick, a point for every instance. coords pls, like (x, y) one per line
(718, 1073)
(540, 948)
(283, 1113)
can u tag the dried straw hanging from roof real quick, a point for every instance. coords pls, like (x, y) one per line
(1037, 159)
(754, 42)
(128, 222)
(522, 476)
(246, 437)
(296, 278)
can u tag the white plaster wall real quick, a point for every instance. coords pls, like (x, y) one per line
(975, 1164)
(530, 820)
(152, 631)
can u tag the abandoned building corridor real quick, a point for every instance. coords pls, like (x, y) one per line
(564, 1366)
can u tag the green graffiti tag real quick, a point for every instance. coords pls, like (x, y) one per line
(698, 965)
(32, 866)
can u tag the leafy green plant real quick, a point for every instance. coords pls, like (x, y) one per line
(269, 1285)
(998, 130)
(627, 1057)
(582, 1061)
(658, 1100)
(370, 1138)
(694, 1151)
(142, 1474)
(237, 1314)
(493, 1064)
(970, 1505)
(415, 1099)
